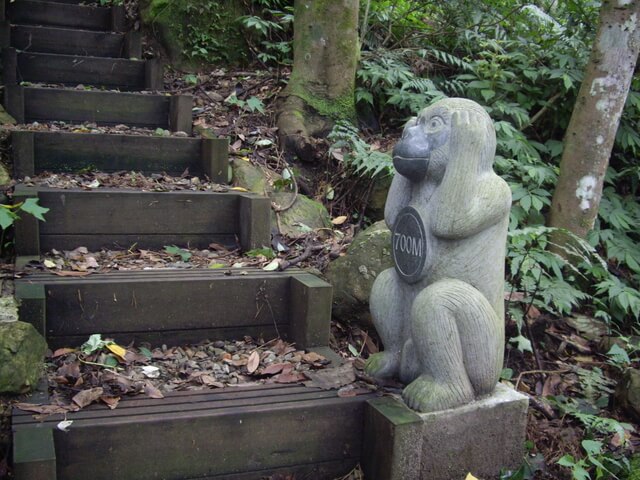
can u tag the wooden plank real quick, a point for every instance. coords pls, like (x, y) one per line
(67, 41)
(9, 65)
(310, 311)
(118, 18)
(153, 75)
(5, 34)
(22, 153)
(213, 443)
(32, 308)
(69, 152)
(176, 337)
(104, 108)
(130, 212)
(254, 221)
(34, 456)
(124, 241)
(388, 425)
(27, 229)
(36, 12)
(2, 11)
(180, 113)
(133, 44)
(150, 305)
(14, 101)
(215, 159)
(73, 70)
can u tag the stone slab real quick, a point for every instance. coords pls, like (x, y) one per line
(481, 438)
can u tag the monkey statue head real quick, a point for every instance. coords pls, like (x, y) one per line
(423, 149)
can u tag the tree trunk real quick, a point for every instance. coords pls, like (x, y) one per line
(595, 118)
(321, 87)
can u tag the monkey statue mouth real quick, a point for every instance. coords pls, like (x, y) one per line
(413, 168)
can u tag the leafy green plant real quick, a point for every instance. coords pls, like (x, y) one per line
(251, 104)
(185, 255)
(348, 147)
(9, 214)
(269, 30)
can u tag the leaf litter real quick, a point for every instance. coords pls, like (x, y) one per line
(102, 372)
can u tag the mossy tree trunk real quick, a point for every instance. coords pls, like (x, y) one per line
(321, 87)
(592, 129)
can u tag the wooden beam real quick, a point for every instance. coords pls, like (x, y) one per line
(32, 309)
(27, 229)
(310, 311)
(67, 41)
(215, 159)
(118, 18)
(153, 75)
(34, 455)
(181, 114)
(14, 101)
(254, 221)
(22, 153)
(133, 44)
(9, 65)
(5, 34)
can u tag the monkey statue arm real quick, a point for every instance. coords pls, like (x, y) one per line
(398, 198)
(471, 196)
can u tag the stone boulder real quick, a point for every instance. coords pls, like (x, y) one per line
(628, 392)
(353, 274)
(304, 215)
(22, 351)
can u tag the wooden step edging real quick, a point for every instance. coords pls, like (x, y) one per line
(38, 12)
(35, 104)
(69, 41)
(150, 306)
(236, 433)
(55, 68)
(120, 218)
(37, 152)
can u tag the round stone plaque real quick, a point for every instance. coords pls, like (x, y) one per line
(409, 245)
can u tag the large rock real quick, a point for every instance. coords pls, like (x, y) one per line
(628, 392)
(22, 351)
(303, 216)
(352, 275)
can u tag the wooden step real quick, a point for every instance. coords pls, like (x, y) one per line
(36, 104)
(69, 41)
(112, 73)
(37, 152)
(115, 218)
(38, 12)
(232, 433)
(177, 306)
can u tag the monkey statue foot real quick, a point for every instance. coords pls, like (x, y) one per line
(425, 394)
(383, 365)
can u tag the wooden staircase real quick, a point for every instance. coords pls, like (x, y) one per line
(233, 433)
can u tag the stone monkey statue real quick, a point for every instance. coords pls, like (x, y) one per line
(440, 311)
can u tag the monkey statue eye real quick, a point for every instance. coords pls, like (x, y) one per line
(434, 124)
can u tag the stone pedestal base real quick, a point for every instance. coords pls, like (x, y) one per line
(479, 438)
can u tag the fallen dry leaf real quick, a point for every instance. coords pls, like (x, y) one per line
(62, 351)
(87, 397)
(152, 391)
(331, 377)
(253, 362)
(273, 368)
(111, 402)
(72, 273)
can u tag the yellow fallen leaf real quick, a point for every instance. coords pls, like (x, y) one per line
(339, 220)
(240, 189)
(470, 477)
(117, 350)
(254, 361)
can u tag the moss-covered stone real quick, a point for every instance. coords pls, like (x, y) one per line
(22, 351)
(5, 118)
(303, 215)
(628, 392)
(378, 197)
(352, 275)
(247, 175)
